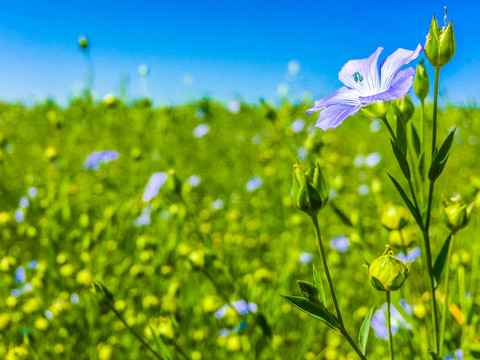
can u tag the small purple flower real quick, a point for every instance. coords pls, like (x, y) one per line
(234, 106)
(194, 180)
(364, 86)
(32, 192)
(220, 313)
(408, 308)
(74, 299)
(411, 256)
(201, 130)
(379, 322)
(448, 357)
(144, 218)
(252, 307)
(19, 215)
(32, 264)
(340, 243)
(223, 332)
(459, 354)
(254, 183)
(96, 158)
(48, 314)
(154, 185)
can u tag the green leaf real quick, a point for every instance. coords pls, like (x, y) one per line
(434, 356)
(365, 330)
(441, 156)
(401, 136)
(314, 310)
(407, 201)
(266, 329)
(163, 350)
(440, 261)
(416, 140)
(421, 165)
(341, 214)
(401, 159)
(318, 283)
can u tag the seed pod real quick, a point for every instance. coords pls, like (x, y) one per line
(309, 189)
(387, 273)
(440, 44)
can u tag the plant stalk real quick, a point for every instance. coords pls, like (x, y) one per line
(447, 288)
(389, 325)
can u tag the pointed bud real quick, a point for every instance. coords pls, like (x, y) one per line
(309, 291)
(309, 189)
(83, 42)
(421, 84)
(456, 214)
(394, 217)
(440, 44)
(387, 273)
(403, 108)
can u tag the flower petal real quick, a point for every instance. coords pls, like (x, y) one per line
(334, 115)
(400, 86)
(343, 95)
(367, 69)
(390, 66)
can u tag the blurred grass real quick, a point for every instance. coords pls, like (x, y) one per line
(80, 227)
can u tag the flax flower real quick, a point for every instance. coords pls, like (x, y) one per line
(364, 86)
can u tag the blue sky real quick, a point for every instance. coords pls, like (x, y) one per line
(220, 49)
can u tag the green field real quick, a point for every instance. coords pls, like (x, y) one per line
(221, 229)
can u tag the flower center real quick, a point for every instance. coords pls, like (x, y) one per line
(357, 77)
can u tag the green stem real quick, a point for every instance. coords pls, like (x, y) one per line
(428, 253)
(435, 102)
(392, 134)
(134, 333)
(447, 287)
(389, 324)
(342, 329)
(422, 170)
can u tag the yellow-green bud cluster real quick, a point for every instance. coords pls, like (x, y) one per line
(394, 217)
(455, 213)
(403, 108)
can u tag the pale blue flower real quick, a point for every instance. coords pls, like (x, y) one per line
(20, 275)
(364, 86)
(19, 215)
(340, 243)
(223, 332)
(96, 158)
(359, 161)
(154, 185)
(448, 357)
(252, 307)
(305, 258)
(302, 153)
(193, 180)
(32, 192)
(220, 313)
(373, 159)
(74, 299)
(27, 287)
(217, 204)
(459, 354)
(408, 308)
(24, 203)
(379, 322)
(234, 106)
(363, 189)
(412, 255)
(298, 125)
(254, 183)
(48, 314)
(144, 218)
(201, 130)
(32, 264)
(241, 307)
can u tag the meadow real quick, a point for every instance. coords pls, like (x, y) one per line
(195, 261)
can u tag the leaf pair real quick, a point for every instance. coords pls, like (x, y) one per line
(440, 157)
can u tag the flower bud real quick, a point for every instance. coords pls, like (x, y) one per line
(394, 217)
(387, 273)
(309, 189)
(421, 83)
(456, 214)
(308, 290)
(376, 110)
(83, 42)
(403, 108)
(404, 237)
(440, 44)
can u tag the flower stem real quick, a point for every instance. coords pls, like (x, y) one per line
(435, 102)
(332, 290)
(422, 170)
(447, 288)
(389, 325)
(392, 134)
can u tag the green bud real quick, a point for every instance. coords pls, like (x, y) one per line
(173, 183)
(387, 273)
(308, 290)
(421, 83)
(83, 42)
(455, 213)
(309, 189)
(404, 237)
(404, 108)
(314, 142)
(376, 110)
(394, 217)
(440, 44)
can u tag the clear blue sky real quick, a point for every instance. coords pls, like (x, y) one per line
(228, 48)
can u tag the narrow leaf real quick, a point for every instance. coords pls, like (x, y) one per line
(435, 356)
(266, 329)
(407, 201)
(318, 283)
(401, 159)
(440, 261)
(416, 140)
(314, 310)
(163, 350)
(441, 156)
(421, 165)
(401, 136)
(341, 214)
(365, 330)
